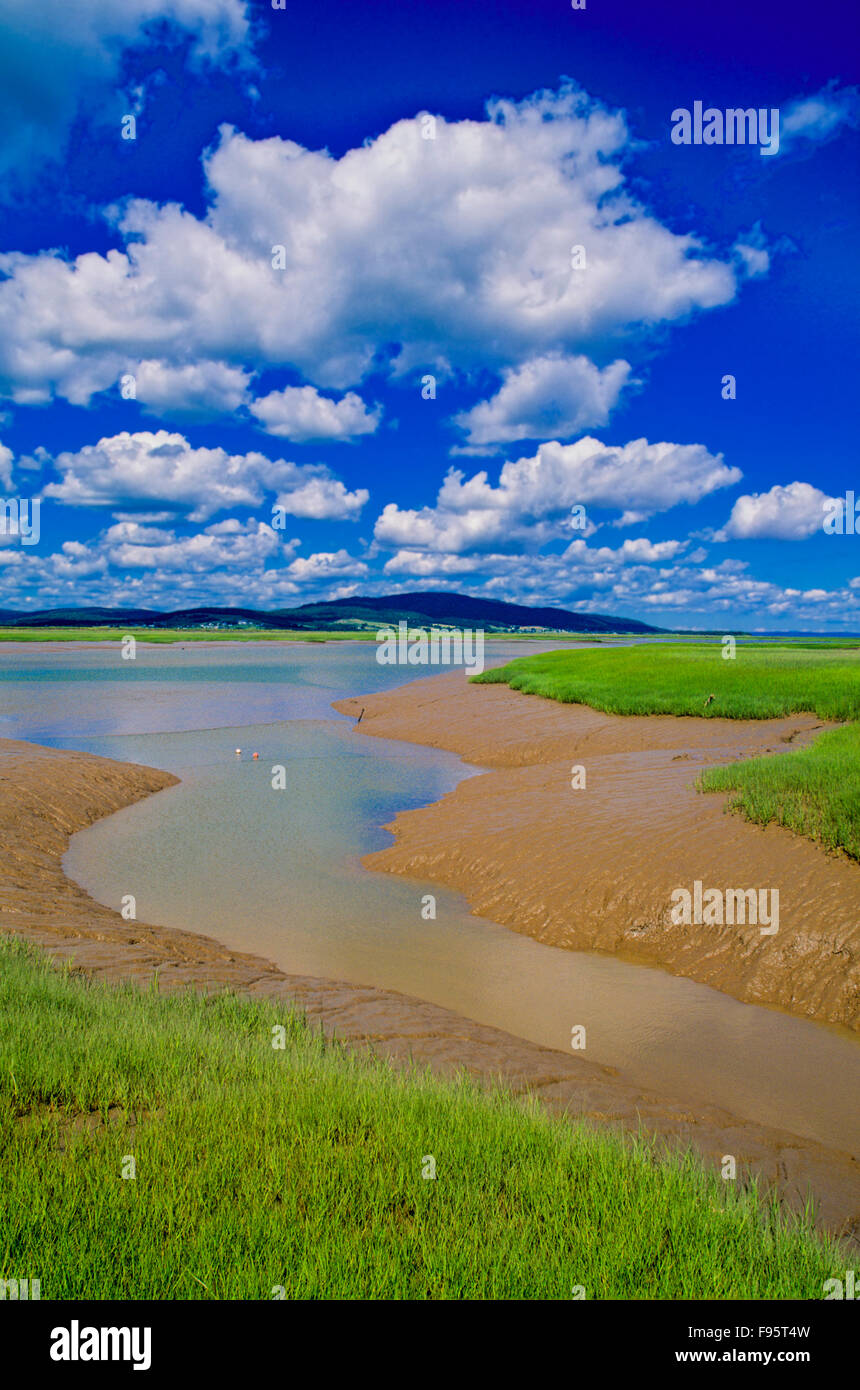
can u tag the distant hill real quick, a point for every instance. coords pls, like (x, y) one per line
(419, 609)
(458, 610)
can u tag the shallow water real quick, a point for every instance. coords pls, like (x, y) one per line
(277, 872)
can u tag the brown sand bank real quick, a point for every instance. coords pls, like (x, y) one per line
(46, 795)
(594, 869)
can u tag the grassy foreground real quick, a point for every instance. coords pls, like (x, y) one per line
(300, 1169)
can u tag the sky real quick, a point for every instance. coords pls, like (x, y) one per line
(329, 298)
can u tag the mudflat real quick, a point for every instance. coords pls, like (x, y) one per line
(46, 795)
(594, 868)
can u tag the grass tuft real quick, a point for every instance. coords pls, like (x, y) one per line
(814, 791)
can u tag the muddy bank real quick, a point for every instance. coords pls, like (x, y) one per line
(594, 868)
(46, 795)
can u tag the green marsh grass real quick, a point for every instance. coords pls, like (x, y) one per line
(301, 1169)
(762, 682)
(814, 791)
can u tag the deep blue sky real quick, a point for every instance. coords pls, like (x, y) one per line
(451, 259)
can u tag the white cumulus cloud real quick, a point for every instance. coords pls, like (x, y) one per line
(301, 414)
(198, 389)
(139, 471)
(323, 499)
(225, 543)
(789, 513)
(323, 565)
(550, 397)
(458, 249)
(534, 495)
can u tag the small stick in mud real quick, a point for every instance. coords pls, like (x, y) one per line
(358, 720)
